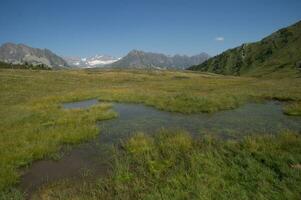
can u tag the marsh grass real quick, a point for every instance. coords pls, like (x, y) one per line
(34, 126)
(42, 132)
(177, 166)
(293, 109)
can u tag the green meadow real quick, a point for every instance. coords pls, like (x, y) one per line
(175, 166)
(34, 126)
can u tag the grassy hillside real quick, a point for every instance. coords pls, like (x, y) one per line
(34, 126)
(278, 54)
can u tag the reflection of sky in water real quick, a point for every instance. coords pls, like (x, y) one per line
(133, 118)
(248, 119)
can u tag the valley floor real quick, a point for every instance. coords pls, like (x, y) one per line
(33, 126)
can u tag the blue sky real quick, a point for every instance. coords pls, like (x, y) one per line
(83, 28)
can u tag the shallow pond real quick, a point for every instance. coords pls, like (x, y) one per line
(94, 157)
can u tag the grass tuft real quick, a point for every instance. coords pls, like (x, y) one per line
(293, 109)
(176, 166)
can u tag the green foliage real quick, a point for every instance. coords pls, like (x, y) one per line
(176, 166)
(293, 109)
(11, 194)
(34, 126)
(179, 168)
(275, 55)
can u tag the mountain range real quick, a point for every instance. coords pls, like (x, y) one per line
(141, 59)
(23, 54)
(90, 62)
(280, 52)
(19, 54)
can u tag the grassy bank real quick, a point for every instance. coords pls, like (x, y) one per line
(175, 166)
(293, 109)
(33, 126)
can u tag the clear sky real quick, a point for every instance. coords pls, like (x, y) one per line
(112, 27)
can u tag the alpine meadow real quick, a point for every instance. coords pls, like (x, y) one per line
(222, 121)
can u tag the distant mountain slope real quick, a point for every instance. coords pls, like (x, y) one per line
(22, 54)
(140, 59)
(279, 52)
(4, 65)
(89, 62)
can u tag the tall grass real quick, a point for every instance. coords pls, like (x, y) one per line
(34, 126)
(176, 166)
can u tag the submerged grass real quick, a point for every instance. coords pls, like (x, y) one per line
(33, 125)
(43, 132)
(176, 166)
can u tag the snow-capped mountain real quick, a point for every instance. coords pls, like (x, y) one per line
(89, 62)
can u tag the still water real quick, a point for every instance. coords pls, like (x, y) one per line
(94, 157)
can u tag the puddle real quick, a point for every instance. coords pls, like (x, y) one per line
(95, 155)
